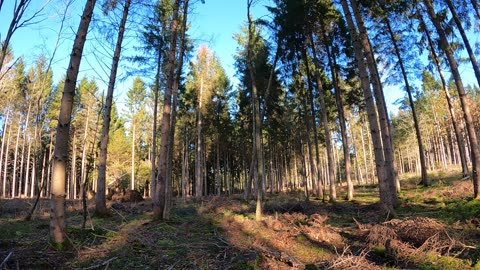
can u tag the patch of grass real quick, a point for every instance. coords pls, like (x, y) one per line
(227, 213)
(21, 229)
(433, 262)
(240, 218)
(301, 238)
(166, 228)
(165, 243)
(463, 209)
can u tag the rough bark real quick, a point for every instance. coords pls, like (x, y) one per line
(159, 202)
(57, 213)
(385, 198)
(100, 200)
(171, 144)
(392, 183)
(153, 154)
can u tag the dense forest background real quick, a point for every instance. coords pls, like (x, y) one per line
(308, 112)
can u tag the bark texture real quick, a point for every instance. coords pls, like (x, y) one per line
(57, 213)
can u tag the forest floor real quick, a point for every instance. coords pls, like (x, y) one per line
(434, 228)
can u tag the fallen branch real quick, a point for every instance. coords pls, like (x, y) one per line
(359, 225)
(6, 259)
(220, 238)
(173, 265)
(283, 257)
(105, 263)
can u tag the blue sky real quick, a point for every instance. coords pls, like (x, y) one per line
(213, 23)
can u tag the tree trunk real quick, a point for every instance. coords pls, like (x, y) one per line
(4, 154)
(83, 173)
(326, 129)
(313, 163)
(27, 170)
(308, 122)
(304, 168)
(132, 169)
(153, 155)
(256, 117)
(184, 169)
(390, 173)
(423, 166)
(341, 118)
(386, 201)
(365, 163)
(171, 143)
(46, 190)
(15, 156)
(159, 203)
(198, 147)
(57, 214)
(100, 200)
(22, 160)
(472, 136)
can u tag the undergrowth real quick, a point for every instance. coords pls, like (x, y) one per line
(435, 227)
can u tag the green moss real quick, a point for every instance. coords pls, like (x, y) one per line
(111, 234)
(20, 229)
(431, 261)
(227, 213)
(65, 245)
(164, 227)
(380, 251)
(459, 209)
(301, 238)
(165, 243)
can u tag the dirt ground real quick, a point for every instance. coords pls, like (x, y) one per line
(434, 228)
